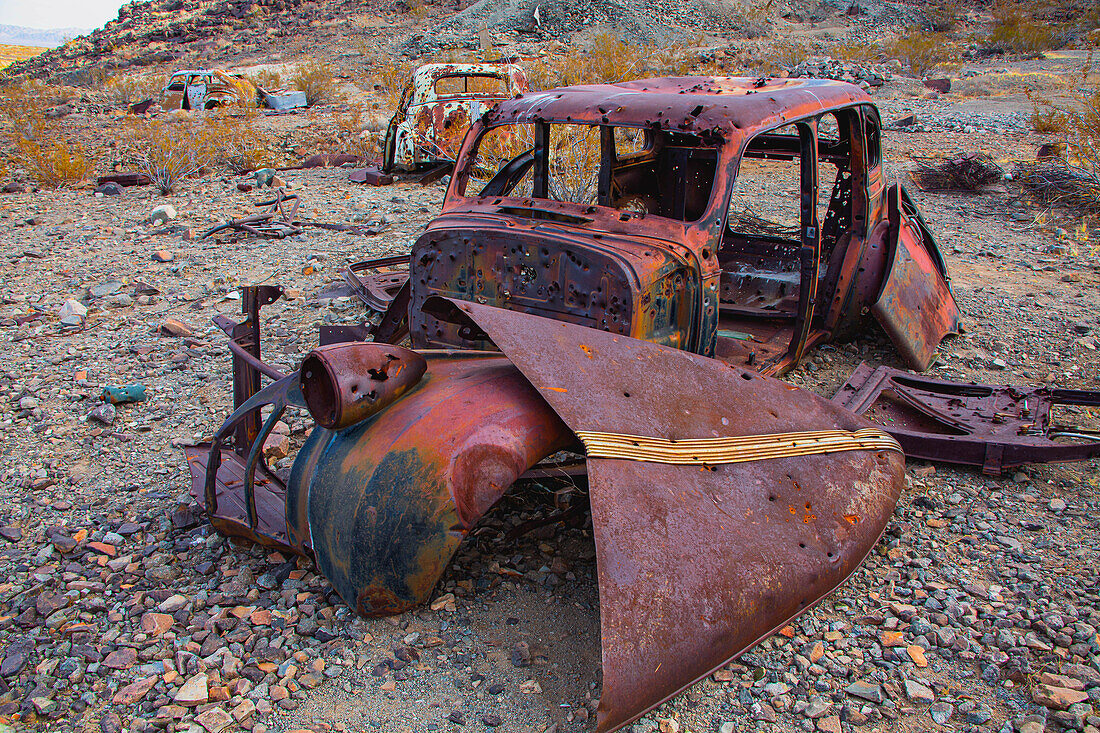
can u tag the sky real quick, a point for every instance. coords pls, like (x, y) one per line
(48, 14)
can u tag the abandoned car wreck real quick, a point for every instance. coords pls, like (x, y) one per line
(619, 271)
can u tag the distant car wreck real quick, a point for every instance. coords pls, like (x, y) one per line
(436, 109)
(619, 271)
(204, 89)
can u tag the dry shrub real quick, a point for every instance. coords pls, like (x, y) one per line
(965, 172)
(1076, 123)
(168, 150)
(38, 144)
(417, 8)
(923, 52)
(267, 79)
(237, 143)
(943, 15)
(609, 60)
(855, 51)
(1047, 120)
(393, 76)
(53, 162)
(315, 78)
(1015, 29)
(126, 90)
(756, 18)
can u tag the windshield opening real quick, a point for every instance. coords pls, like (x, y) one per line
(634, 170)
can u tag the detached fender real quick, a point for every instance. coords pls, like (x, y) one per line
(385, 503)
(915, 305)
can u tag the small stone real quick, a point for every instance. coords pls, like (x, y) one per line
(830, 724)
(109, 189)
(11, 534)
(457, 717)
(941, 712)
(104, 413)
(816, 708)
(866, 691)
(214, 720)
(163, 255)
(133, 693)
(155, 624)
(72, 309)
(194, 691)
(172, 327)
(491, 720)
(917, 692)
(521, 654)
(162, 214)
(1059, 698)
(123, 658)
(916, 653)
(1057, 505)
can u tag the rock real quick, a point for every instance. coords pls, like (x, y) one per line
(264, 177)
(172, 603)
(194, 691)
(172, 327)
(105, 288)
(72, 312)
(123, 658)
(163, 255)
(16, 657)
(816, 708)
(1058, 698)
(162, 214)
(109, 189)
(134, 692)
(11, 534)
(214, 720)
(1057, 505)
(917, 692)
(941, 712)
(104, 413)
(521, 654)
(866, 691)
(28, 403)
(830, 724)
(491, 720)
(916, 654)
(457, 717)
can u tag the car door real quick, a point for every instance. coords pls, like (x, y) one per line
(196, 91)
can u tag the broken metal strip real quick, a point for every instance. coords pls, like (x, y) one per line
(739, 449)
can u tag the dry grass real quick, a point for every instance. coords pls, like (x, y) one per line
(924, 52)
(10, 54)
(392, 75)
(36, 144)
(315, 78)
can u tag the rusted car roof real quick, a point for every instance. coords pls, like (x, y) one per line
(429, 73)
(727, 106)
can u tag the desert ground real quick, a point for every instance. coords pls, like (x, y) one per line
(122, 610)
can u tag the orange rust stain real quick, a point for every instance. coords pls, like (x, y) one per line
(852, 519)
(587, 350)
(557, 389)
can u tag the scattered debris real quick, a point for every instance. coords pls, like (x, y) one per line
(205, 89)
(967, 172)
(127, 393)
(1057, 183)
(279, 221)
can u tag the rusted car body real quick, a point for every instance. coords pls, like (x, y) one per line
(205, 89)
(619, 271)
(437, 107)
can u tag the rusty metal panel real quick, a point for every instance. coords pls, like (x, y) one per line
(696, 563)
(994, 427)
(915, 306)
(387, 501)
